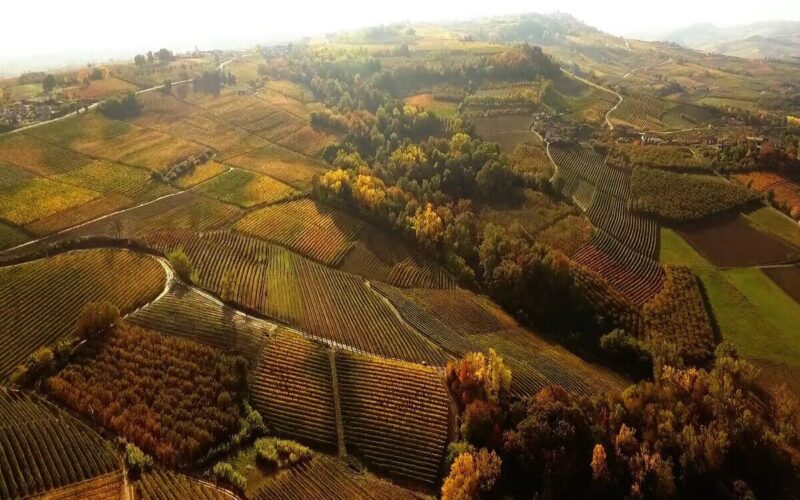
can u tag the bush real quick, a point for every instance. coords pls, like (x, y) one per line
(281, 453)
(96, 319)
(183, 266)
(137, 460)
(120, 108)
(223, 471)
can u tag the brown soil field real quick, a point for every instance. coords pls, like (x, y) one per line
(733, 242)
(788, 278)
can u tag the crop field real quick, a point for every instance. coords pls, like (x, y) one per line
(99, 89)
(769, 220)
(328, 304)
(293, 390)
(77, 215)
(43, 448)
(247, 189)
(506, 130)
(378, 256)
(326, 477)
(637, 276)
(173, 398)
(677, 318)
(641, 112)
(788, 278)
(444, 109)
(162, 110)
(611, 215)
(39, 157)
(188, 313)
(281, 163)
(316, 231)
(395, 415)
(11, 175)
(47, 295)
(578, 100)
(38, 198)
(677, 158)
(283, 100)
(580, 162)
(276, 126)
(161, 484)
(734, 242)
(291, 89)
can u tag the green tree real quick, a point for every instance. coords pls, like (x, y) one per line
(49, 83)
(183, 266)
(139, 60)
(166, 88)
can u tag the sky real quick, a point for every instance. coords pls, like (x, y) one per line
(74, 31)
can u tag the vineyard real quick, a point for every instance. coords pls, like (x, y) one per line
(190, 314)
(534, 362)
(640, 111)
(282, 164)
(39, 157)
(677, 319)
(47, 295)
(106, 487)
(785, 192)
(307, 141)
(323, 302)
(111, 178)
(324, 477)
(685, 197)
(636, 276)
(395, 415)
(247, 189)
(577, 162)
(530, 161)
(37, 198)
(174, 398)
(611, 215)
(377, 256)
(162, 484)
(43, 448)
(200, 173)
(306, 227)
(292, 389)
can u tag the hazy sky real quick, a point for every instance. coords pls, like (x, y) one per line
(112, 28)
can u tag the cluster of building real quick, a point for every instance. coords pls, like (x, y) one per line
(27, 111)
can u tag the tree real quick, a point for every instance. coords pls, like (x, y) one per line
(139, 60)
(183, 266)
(121, 108)
(166, 88)
(49, 83)
(165, 55)
(96, 74)
(96, 319)
(472, 475)
(150, 56)
(496, 181)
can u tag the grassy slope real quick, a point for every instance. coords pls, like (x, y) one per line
(747, 324)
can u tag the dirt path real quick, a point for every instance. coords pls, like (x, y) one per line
(600, 87)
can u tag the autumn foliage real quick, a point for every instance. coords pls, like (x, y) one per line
(173, 398)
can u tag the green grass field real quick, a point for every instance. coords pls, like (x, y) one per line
(742, 305)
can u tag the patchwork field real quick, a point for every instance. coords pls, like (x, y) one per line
(788, 278)
(163, 483)
(444, 109)
(506, 130)
(47, 295)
